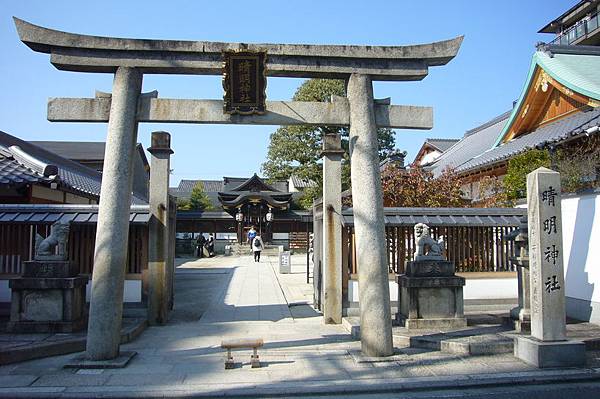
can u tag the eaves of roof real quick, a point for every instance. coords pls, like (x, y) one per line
(573, 126)
(578, 72)
(576, 10)
(505, 217)
(50, 213)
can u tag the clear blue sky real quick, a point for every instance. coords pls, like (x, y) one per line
(480, 83)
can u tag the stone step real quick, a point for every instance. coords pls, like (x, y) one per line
(470, 341)
(501, 305)
(489, 308)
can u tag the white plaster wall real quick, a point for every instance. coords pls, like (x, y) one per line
(581, 255)
(481, 288)
(490, 288)
(132, 292)
(581, 246)
(430, 157)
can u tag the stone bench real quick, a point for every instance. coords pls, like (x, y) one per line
(253, 343)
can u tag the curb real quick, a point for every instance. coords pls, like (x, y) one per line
(337, 387)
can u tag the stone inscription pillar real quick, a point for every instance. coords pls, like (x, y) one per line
(546, 257)
(159, 267)
(548, 345)
(332, 228)
(367, 198)
(110, 254)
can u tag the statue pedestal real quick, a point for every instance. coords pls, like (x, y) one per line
(430, 296)
(48, 297)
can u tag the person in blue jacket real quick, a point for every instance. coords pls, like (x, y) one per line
(251, 234)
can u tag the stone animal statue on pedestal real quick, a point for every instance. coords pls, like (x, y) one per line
(427, 247)
(45, 247)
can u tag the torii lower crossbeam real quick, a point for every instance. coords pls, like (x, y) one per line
(166, 110)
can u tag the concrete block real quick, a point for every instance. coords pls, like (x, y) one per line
(550, 354)
(432, 323)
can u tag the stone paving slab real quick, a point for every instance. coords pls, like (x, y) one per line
(70, 380)
(381, 385)
(11, 381)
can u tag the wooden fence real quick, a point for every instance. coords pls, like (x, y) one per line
(17, 243)
(470, 248)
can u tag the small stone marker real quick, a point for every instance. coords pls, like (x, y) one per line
(285, 266)
(548, 345)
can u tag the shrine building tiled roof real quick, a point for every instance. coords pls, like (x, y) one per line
(24, 163)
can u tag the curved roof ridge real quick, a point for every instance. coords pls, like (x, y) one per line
(33, 163)
(575, 71)
(255, 179)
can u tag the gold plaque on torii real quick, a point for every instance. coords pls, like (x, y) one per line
(244, 82)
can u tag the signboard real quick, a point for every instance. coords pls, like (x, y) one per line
(245, 82)
(285, 265)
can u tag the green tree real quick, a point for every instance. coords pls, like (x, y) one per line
(296, 149)
(198, 201)
(183, 204)
(515, 181)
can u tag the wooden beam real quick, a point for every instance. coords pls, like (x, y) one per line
(159, 110)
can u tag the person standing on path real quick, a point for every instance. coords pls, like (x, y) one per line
(200, 241)
(257, 246)
(210, 246)
(251, 234)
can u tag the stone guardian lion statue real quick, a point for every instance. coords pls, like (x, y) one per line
(45, 247)
(426, 247)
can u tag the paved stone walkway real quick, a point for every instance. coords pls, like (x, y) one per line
(227, 297)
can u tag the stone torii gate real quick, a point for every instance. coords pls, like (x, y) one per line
(130, 59)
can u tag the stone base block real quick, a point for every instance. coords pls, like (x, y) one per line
(47, 305)
(46, 326)
(430, 268)
(80, 362)
(550, 354)
(441, 323)
(50, 269)
(430, 302)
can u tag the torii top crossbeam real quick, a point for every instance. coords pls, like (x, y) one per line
(84, 53)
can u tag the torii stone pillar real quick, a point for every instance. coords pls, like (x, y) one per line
(369, 225)
(158, 238)
(110, 254)
(332, 228)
